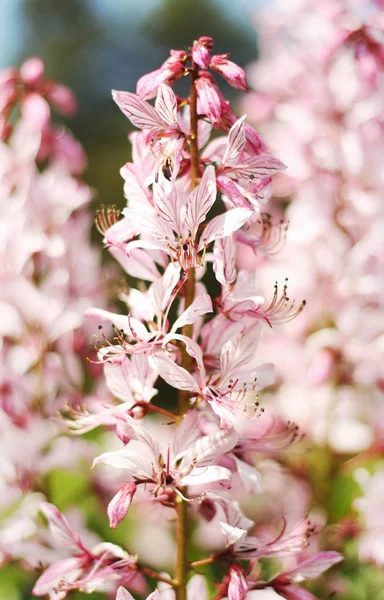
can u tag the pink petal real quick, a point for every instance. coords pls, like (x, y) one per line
(237, 588)
(208, 99)
(176, 376)
(120, 503)
(199, 307)
(148, 84)
(197, 588)
(123, 594)
(139, 112)
(232, 191)
(60, 527)
(69, 569)
(201, 200)
(314, 566)
(32, 70)
(294, 592)
(230, 71)
(224, 225)
(36, 111)
(211, 474)
(208, 449)
(236, 142)
(63, 99)
(259, 166)
(134, 431)
(166, 105)
(200, 55)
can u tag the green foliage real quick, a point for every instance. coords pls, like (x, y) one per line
(67, 488)
(344, 490)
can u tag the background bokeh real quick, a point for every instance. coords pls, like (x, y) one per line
(94, 46)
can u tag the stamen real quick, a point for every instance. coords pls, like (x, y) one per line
(106, 216)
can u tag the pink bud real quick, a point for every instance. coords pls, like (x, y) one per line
(62, 98)
(148, 84)
(32, 71)
(120, 432)
(208, 98)
(200, 55)
(120, 503)
(36, 111)
(230, 71)
(206, 41)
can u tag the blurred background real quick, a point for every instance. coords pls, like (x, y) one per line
(94, 46)
(329, 129)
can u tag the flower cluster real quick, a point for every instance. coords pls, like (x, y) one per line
(324, 107)
(175, 235)
(49, 275)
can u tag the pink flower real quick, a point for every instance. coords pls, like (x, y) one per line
(87, 570)
(161, 121)
(188, 461)
(306, 570)
(231, 386)
(243, 177)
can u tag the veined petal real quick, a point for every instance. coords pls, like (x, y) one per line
(210, 474)
(237, 588)
(314, 566)
(120, 503)
(119, 379)
(263, 165)
(186, 432)
(201, 200)
(144, 244)
(60, 527)
(207, 450)
(224, 264)
(224, 225)
(229, 71)
(167, 204)
(166, 105)
(236, 142)
(139, 112)
(199, 307)
(173, 374)
(69, 569)
(161, 291)
(133, 430)
(132, 462)
(191, 347)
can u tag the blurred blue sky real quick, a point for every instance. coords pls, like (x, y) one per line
(112, 13)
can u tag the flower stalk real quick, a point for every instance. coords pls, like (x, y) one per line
(182, 564)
